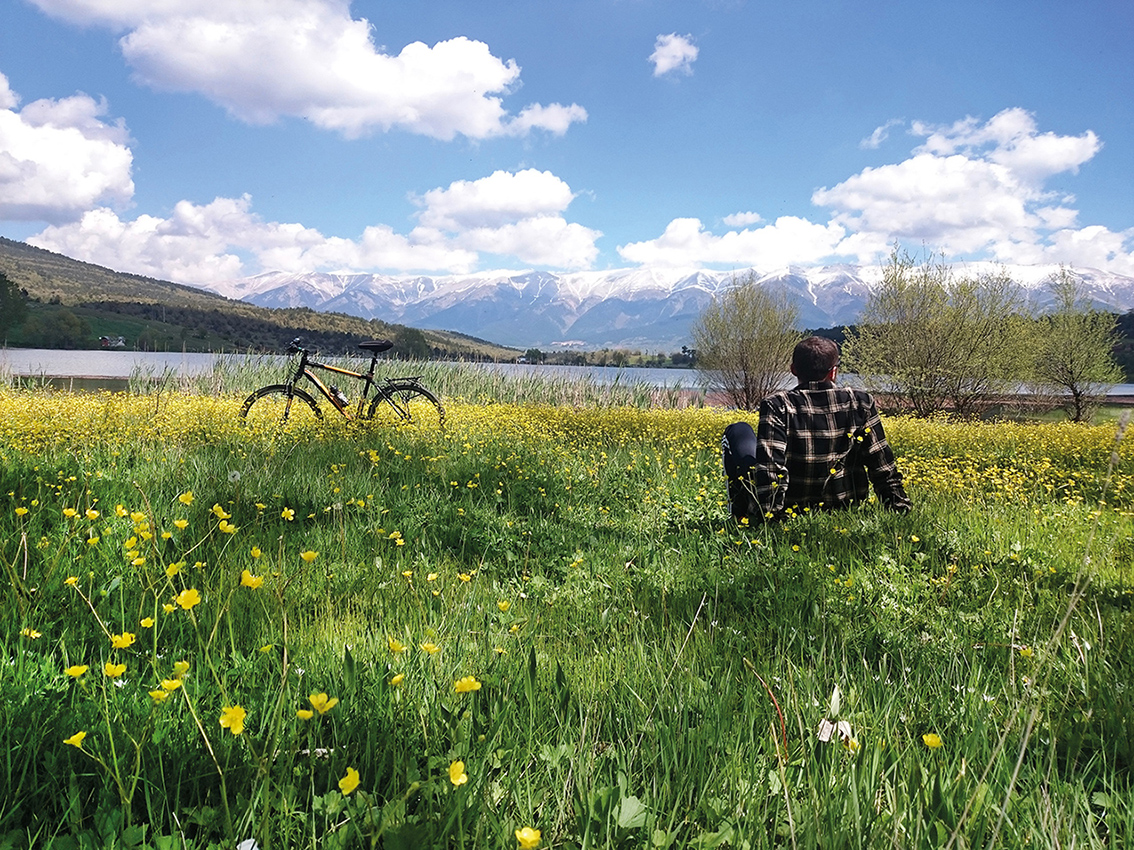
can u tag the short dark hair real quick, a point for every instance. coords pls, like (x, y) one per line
(814, 357)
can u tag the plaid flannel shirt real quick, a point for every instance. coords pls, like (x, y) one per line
(818, 446)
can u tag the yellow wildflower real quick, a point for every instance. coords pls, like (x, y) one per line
(188, 598)
(322, 703)
(76, 670)
(457, 773)
(180, 668)
(76, 740)
(309, 555)
(122, 641)
(186, 498)
(349, 782)
(398, 679)
(304, 714)
(466, 684)
(431, 647)
(249, 580)
(232, 719)
(113, 670)
(932, 740)
(159, 696)
(527, 838)
(147, 623)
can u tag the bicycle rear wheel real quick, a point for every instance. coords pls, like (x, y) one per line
(406, 403)
(277, 405)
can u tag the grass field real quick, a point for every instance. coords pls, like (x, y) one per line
(541, 619)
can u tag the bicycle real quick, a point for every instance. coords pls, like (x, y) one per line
(397, 400)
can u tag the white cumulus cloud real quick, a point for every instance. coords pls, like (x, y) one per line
(504, 214)
(742, 219)
(1012, 139)
(59, 158)
(512, 214)
(501, 197)
(199, 243)
(787, 240)
(976, 188)
(673, 52)
(538, 241)
(972, 189)
(264, 59)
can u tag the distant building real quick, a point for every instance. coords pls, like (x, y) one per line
(112, 341)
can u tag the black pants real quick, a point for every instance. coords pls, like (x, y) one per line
(738, 448)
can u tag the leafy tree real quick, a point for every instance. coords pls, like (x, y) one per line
(534, 355)
(937, 341)
(1074, 348)
(59, 328)
(744, 340)
(411, 344)
(13, 304)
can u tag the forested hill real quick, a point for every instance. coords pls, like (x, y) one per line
(72, 303)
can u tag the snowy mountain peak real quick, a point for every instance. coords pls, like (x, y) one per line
(645, 308)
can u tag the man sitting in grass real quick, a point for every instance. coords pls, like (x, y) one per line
(817, 446)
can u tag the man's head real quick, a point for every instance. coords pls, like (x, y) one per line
(814, 359)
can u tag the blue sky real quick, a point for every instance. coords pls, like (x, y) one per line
(202, 140)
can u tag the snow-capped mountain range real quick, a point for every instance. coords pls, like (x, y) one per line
(643, 308)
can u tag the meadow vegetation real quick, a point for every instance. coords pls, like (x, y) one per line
(539, 627)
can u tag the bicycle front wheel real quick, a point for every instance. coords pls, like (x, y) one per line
(277, 405)
(406, 403)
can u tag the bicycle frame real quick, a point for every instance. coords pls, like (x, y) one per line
(306, 368)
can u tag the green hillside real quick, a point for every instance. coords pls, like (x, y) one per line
(72, 304)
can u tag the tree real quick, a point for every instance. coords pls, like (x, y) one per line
(1074, 348)
(744, 341)
(411, 344)
(937, 341)
(13, 304)
(58, 329)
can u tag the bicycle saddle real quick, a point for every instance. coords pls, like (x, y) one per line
(376, 345)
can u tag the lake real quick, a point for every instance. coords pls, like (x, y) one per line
(109, 369)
